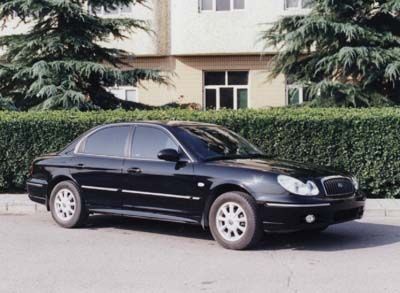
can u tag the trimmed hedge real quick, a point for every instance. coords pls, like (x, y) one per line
(363, 141)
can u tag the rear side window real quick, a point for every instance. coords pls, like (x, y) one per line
(149, 141)
(110, 141)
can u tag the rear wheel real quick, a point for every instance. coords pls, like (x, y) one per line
(234, 221)
(67, 206)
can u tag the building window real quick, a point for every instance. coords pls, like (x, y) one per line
(226, 90)
(118, 10)
(222, 5)
(296, 94)
(299, 4)
(125, 93)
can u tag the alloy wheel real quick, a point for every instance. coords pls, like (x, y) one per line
(231, 221)
(65, 204)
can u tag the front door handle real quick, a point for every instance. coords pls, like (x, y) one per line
(80, 166)
(134, 170)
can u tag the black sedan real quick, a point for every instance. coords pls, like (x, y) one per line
(194, 173)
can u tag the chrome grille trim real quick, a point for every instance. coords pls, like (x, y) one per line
(346, 180)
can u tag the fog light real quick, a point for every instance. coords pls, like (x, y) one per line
(310, 219)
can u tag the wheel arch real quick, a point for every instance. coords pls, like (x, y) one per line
(215, 193)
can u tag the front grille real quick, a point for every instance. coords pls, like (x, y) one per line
(338, 186)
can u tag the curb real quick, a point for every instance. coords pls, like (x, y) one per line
(21, 204)
(13, 208)
(382, 208)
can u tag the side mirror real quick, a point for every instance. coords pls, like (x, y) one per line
(169, 155)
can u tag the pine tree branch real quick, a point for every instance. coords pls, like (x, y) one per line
(344, 51)
(61, 62)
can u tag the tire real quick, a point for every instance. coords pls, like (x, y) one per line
(67, 206)
(241, 229)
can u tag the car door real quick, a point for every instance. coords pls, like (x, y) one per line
(98, 166)
(155, 185)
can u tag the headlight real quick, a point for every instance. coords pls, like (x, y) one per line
(296, 186)
(355, 183)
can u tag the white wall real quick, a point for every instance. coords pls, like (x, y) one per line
(140, 42)
(181, 29)
(215, 32)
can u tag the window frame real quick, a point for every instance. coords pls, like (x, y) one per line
(301, 93)
(226, 85)
(214, 7)
(125, 89)
(81, 143)
(80, 147)
(104, 14)
(299, 6)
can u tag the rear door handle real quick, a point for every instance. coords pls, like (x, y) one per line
(134, 170)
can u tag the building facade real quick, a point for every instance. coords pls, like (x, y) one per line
(211, 50)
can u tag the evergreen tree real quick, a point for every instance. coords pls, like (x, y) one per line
(347, 52)
(60, 62)
(7, 104)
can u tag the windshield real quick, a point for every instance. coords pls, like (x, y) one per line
(213, 143)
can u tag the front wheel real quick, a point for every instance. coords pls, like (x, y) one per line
(234, 222)
(67, 206)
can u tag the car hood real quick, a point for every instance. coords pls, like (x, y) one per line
(295, 169)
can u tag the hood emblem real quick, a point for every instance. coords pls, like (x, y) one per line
(340, 185)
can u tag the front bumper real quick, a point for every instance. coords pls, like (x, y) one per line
(290, 216)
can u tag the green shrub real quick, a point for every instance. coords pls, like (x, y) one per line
(365, 141)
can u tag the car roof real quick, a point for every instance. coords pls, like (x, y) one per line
(166, 123)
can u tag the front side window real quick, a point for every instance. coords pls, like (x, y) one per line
(213, 142)
(298, 4)
(226, 90)
(222, 5)
(110, 141)
(149, 141)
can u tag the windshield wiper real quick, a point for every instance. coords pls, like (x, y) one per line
(222, 157)
(233, 157)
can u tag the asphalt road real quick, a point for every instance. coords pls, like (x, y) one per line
(128, 255)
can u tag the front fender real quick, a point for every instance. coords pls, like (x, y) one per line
(220, 187)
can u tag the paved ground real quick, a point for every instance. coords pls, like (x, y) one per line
(127, 255)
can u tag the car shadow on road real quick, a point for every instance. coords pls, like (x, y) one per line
(148, 226)
(347, 236)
